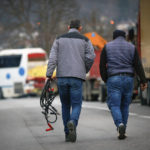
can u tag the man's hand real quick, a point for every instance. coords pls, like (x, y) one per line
(48, 78)
(143, 86)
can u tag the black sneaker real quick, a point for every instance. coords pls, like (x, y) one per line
(72, 131)
(121, 131)
(67, 138)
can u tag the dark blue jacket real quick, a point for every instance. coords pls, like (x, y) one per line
(120, 56)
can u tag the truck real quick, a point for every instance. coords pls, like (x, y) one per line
(94, 88)
(143, 44)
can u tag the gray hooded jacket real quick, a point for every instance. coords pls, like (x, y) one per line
(73, 54)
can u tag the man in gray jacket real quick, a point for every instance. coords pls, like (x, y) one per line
(73, 54)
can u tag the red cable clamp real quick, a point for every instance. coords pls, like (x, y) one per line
(50, 127)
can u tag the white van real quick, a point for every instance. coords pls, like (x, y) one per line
(22, 71)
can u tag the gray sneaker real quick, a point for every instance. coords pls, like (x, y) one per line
(121, 131)
(72, 131)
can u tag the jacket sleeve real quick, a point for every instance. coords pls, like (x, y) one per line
(52, 59)
(89, 56)
(103, 65)
(138, 67)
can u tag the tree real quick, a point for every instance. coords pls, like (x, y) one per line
(35, 22)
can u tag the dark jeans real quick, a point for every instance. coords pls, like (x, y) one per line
(119, 90)
(70, 91)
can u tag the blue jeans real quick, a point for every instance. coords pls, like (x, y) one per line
(70, 91)
(119, 91)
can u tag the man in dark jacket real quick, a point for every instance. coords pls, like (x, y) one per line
(73, 54)
(118, 63)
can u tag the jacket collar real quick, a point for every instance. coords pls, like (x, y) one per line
(73, 30)
(120, 38)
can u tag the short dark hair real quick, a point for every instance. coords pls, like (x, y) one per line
(118, 33)
(75, 23)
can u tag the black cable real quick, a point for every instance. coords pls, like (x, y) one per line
(46, 100)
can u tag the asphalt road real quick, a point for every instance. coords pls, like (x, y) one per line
(22, 127)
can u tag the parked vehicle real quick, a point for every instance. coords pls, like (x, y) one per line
(144, 46)
(94, 88)
(22, 71)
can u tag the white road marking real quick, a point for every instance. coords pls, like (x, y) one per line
(35, 102)
(106, 109)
